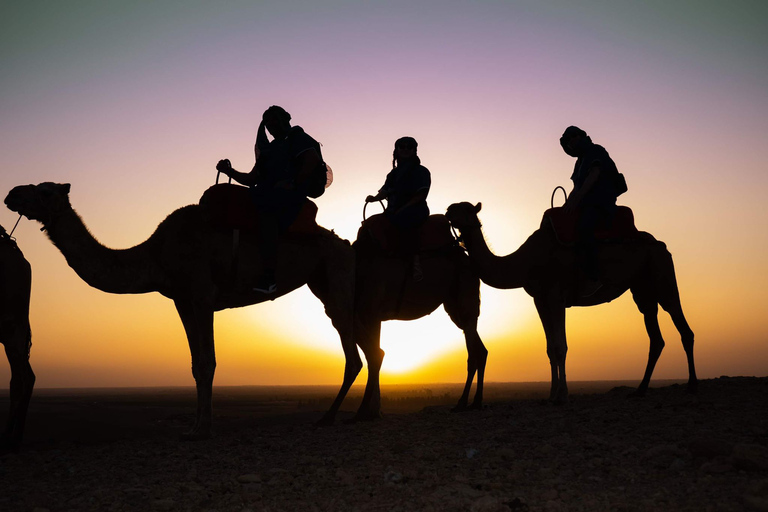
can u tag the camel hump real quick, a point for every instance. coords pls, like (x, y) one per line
(434, 234)
(232, 207)
(564, 225)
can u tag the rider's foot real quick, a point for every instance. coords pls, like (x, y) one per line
(418, 275)
(266, 283)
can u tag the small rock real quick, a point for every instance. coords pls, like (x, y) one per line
(393, 476)
(709, 447)
(488, 504)
(471, 452)
(249, 478)
(750, 457)
(166, 504)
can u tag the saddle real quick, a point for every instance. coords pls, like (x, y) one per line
(434, 234)
(231, 207)
(564, 225)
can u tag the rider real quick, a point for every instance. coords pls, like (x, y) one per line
(593, 197)
(278, 181)
(405, 189)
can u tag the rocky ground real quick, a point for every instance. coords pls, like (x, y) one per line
(667, 451)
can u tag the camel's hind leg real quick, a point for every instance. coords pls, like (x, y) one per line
(22, 383)
(649, 309)
(339, 306)
(198, 324)
(552, 314)
(671, 305)
(369, 338)
(464, 310)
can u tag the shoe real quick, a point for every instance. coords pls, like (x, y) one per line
(418, 275)
(266, 283)
(590, 287)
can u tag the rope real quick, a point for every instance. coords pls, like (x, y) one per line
(10, 235)
(365, 205)
(552, 199)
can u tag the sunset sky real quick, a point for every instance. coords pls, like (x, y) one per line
(133, 103)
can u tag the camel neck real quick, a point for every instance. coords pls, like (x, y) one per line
(109, 270)
(504, 272)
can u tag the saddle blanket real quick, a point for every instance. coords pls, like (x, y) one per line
(231, 207)
(434, 234)
(564, 225)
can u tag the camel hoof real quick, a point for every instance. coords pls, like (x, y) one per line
(364, 417)
(8, 445)
(325, 421)
(692, 387)
(638, 393)
(460, 407)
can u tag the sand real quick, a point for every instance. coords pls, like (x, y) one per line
(118, 449)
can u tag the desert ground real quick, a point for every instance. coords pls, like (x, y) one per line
(118, 450)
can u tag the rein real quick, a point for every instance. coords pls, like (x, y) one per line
(552, 199)
(365, 205)
(10, 235)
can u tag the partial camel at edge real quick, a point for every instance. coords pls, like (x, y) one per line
(16, 336)
(546, 270)
(191, 263)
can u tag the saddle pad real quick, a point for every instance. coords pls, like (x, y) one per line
(231, 207)
(564, 225)
(434, 233)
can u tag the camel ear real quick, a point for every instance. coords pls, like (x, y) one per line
(66, 187)
(478, 207)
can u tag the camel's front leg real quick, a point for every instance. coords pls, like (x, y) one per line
(198, 324)
(22, 383)
(552, 316)
(477, 356)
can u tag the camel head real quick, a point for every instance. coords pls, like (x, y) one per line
(463, 216)
(39, 202)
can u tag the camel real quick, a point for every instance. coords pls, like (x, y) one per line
(191, 263)
(386, 290)
(545, 269)
(16, 336)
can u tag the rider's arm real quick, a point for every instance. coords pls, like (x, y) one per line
(578, 194)
(248, 179)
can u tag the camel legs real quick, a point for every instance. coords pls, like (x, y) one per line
(22, 383)
(662, 289)
(198, 324)
(340, 312)
(465, 317)
(552, 314)
(650, 310)
(369, 338)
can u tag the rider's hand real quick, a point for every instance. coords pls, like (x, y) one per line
(370, 199)
(224, 166)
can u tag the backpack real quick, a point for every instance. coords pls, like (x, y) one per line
(321, 176)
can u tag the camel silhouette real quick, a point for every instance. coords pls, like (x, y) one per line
(191, 263)
(386, 290)
(545, 269)
(16, 336)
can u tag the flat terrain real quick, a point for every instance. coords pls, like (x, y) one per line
(119, 450)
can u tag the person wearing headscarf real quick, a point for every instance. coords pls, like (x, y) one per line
(278, 181)
(593, 197)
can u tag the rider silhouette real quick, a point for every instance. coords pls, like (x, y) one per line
(405, 189)
(279, 183)
(593, 198)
